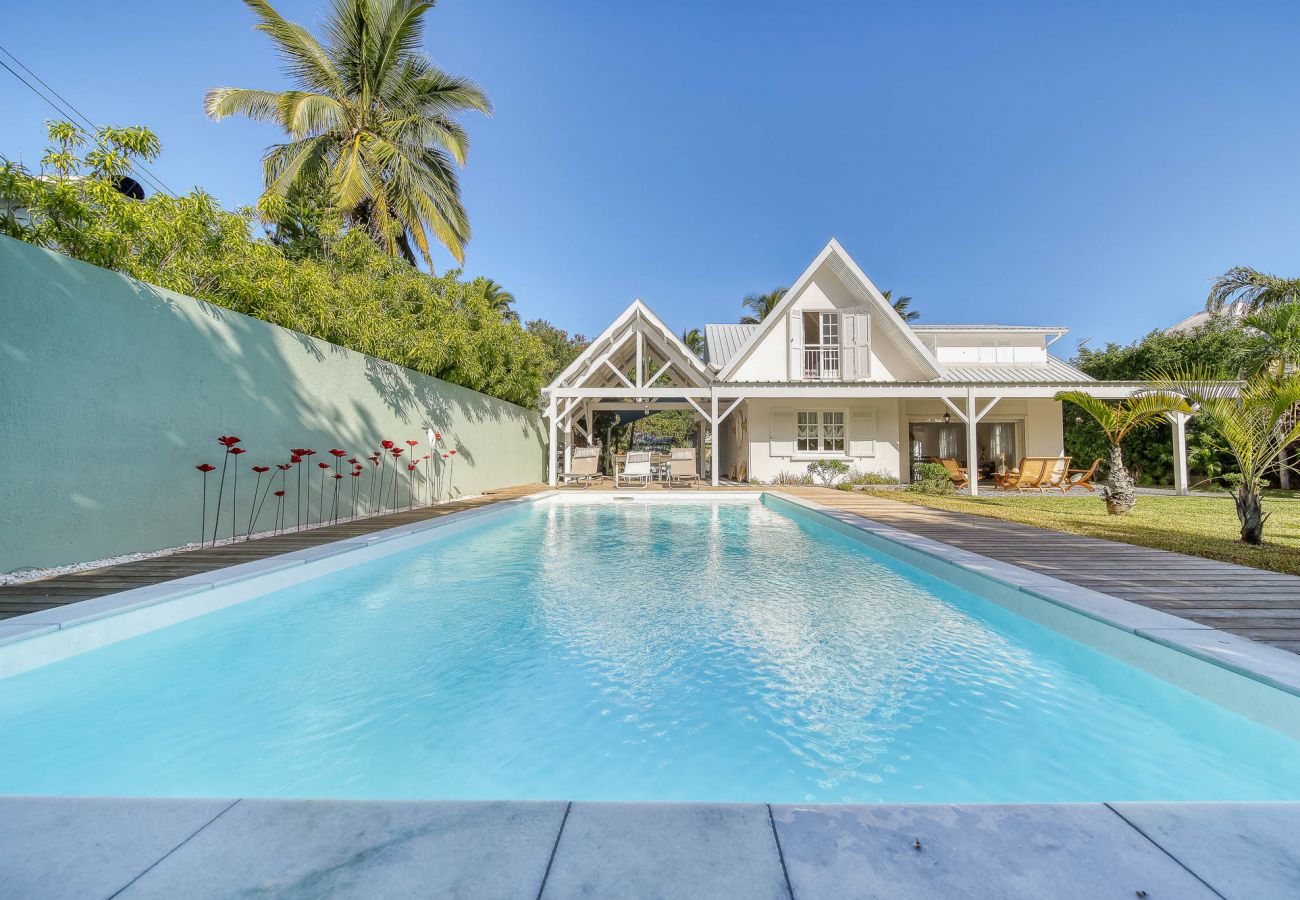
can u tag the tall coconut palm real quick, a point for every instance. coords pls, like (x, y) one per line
(500, 299)
(902, 306)
(694, 341)
(371, 116)
(1256, 420)
(1117, 420)
(1257, 289)
(760, 306)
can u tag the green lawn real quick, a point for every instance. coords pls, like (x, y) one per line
(1199, 525)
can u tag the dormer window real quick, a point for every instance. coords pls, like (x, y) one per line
(821, 346)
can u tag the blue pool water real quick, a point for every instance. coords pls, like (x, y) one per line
(626, 652)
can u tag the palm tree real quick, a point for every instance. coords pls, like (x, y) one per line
(901, 306)
(1257, 289)
(760, 306)
(1279, 326)
(1255, 418)
(694, 341)
(500, 299)
(372, 116)
(1117, 420)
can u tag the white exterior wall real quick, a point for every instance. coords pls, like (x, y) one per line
(764, 465)
(1000, 347)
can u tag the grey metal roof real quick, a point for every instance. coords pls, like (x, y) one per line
(1054, 370)
(986, 327)
(722, 341)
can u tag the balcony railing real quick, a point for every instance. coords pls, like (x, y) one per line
(821, 364)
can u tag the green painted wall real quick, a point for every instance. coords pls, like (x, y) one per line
(113, 390)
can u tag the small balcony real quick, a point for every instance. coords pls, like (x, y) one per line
(821, 364)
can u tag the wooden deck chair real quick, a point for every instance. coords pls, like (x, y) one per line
(955, 472)
(1006, 481)
(1030, 475)
(681, 467)
(1054, 476)
(1081, 478)
(585, 467)
(636, 469)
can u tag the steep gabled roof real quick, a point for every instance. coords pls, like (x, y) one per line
(589, 369)
(858, 284)
(723, 341)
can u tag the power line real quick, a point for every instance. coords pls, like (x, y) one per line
(145, 173)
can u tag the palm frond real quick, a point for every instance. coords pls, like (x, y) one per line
(303, 55)
(260, 106)
(1257, 289)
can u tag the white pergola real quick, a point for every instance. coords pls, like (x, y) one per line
(638, 363)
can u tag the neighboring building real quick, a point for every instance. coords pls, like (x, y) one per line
(832, 373)
(1231, 313)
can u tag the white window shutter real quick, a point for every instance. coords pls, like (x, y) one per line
(861, 346)
(781, 436)
(862, 433)
(796, 345)
(848, 341)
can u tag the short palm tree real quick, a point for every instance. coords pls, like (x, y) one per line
(500, 299)
(1256, 419)
(1117, 420)
(372, 117)
(760, 306)
(902, 306)
(694, 341)
(1257, 289)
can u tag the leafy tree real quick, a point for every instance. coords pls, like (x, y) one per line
(675, 425)
(500, 299)
(561, 347)
(694, 341)
(372, 117)
(902, 306)
(760, 306)
(351, 293)
(1257, 289)
(1117, 420)
(1279, 329)
(1256, 421)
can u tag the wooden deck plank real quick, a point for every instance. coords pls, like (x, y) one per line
(1252, 603)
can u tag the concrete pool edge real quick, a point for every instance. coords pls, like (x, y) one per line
(222, 847)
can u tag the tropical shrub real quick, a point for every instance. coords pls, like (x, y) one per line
(874, 477)
(827, 471)
(795, 478)
(348, 292)
(931, 478)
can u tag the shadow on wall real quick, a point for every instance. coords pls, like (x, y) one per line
(119, 388)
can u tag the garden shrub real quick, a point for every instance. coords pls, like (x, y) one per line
(826, 471)
(932, 478)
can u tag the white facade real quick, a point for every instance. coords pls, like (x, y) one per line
(834, 373)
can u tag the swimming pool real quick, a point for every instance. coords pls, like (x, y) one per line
(709, 650)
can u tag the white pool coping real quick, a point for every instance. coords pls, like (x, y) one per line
(1252, 679)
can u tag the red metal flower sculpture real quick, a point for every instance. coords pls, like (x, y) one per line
(205, 468)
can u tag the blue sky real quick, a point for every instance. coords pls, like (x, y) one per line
(1088, 164)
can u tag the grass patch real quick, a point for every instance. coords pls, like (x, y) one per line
(1199, 526)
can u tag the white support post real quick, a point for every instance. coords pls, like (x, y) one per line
(713, 429)
(552, 477)
(591, 435)
(1179, 420)
(640, 352)
(568, 445)
(699, 443)
(972, 445)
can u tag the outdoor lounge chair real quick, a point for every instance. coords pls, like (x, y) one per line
(681, 467)
(955, 472)
(1030, 475)
(585, 467)
(1054, 477)
(636, 469)
(1081, 478)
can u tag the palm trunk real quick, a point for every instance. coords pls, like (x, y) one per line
(1250, 513)
(1118, 490)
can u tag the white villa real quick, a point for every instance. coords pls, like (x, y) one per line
(833, 372)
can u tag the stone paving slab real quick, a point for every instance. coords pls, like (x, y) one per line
(362, 849)
(976, 852)
(631, 851)
(85, 847)
(1245, 851)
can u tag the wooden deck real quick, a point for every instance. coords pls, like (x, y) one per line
(32, 596)
(1252, 603)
